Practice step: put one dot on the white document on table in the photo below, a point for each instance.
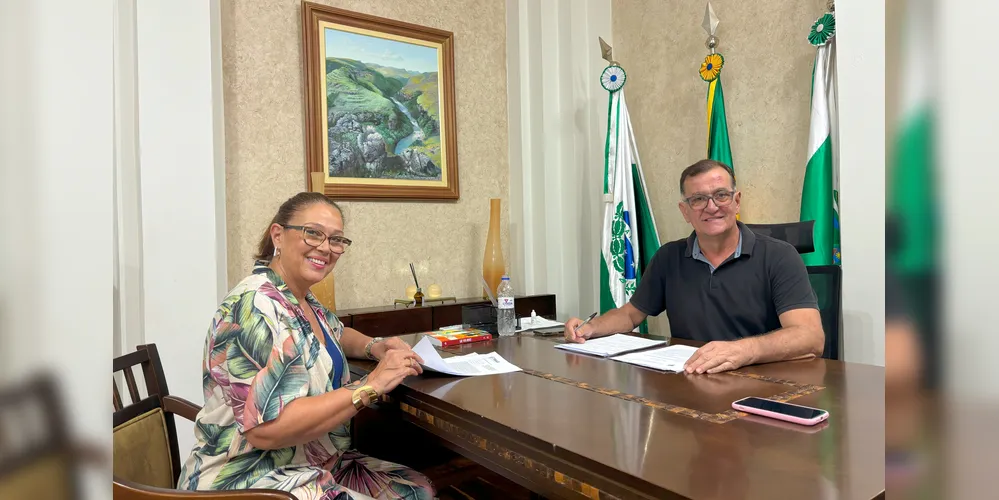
(469, 365)
(537, 323)
(611, 345)
(669, 359)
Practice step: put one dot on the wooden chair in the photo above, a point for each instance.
(37, 457)
(146, 456)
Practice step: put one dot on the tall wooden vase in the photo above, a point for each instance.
(325, 290)
(492, 262)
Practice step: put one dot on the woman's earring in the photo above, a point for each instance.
(277, 251)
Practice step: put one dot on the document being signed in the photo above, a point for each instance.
(468, 365)
(670, 359)
(610, 345)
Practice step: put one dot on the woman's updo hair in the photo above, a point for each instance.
(295, 204)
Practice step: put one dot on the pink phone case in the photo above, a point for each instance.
(781, 416)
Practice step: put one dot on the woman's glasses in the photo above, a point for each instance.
(315, 238)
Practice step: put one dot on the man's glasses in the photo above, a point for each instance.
(315, 238)
(700, 201)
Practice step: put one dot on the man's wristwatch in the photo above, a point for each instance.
(371, 343)
(364, 390)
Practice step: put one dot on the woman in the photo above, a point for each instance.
(278, 395)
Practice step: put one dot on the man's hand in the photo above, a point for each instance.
(720, 356)
(578, 336)
(380, 349)
(622, 319)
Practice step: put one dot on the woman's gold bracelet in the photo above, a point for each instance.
(365, 390)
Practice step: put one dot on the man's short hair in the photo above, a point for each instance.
(703, 166)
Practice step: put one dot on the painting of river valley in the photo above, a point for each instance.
(380, 107)
(383, 109)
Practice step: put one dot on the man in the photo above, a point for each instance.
(746, 295)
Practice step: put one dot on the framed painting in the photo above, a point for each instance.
(379, 107)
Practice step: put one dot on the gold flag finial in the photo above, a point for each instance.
(607, 52)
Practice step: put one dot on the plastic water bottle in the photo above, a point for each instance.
(506, 318)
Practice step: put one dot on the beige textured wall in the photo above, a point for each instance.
(261, 56)
(767, 80)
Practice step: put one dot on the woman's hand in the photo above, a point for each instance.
(393, 368)
(380, 349)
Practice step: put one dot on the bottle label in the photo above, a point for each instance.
(505, 302)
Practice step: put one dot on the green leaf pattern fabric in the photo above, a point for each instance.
(260, 355)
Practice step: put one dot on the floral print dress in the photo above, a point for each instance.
(260, 355)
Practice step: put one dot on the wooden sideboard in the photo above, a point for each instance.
(387, 321)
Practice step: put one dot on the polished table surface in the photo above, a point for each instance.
(575, 426)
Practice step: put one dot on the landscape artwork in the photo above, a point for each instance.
(386, 106)
(383, 109)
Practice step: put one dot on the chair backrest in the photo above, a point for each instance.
(145, 436)
(37, 458)
(798, 234)
(827, 283)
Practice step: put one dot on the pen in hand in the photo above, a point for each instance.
(571, 331)
(587, 320)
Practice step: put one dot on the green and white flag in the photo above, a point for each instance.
(820, 191)
(630, 237)
(912, 194)
(911, 191)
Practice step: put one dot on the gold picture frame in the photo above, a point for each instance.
(379, 107)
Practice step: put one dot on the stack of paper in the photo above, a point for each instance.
(537, 323)
(469, 365)
(669, 359)
(611, 345)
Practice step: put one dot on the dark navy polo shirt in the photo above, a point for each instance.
(744, 296)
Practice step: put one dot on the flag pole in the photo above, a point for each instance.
(718, 145)
(607, 53)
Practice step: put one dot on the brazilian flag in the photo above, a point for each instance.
(719, 147)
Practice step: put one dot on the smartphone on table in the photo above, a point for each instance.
(788, 412)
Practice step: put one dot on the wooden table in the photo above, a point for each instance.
(574, 426)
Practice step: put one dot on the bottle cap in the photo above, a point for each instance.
(505, 278)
